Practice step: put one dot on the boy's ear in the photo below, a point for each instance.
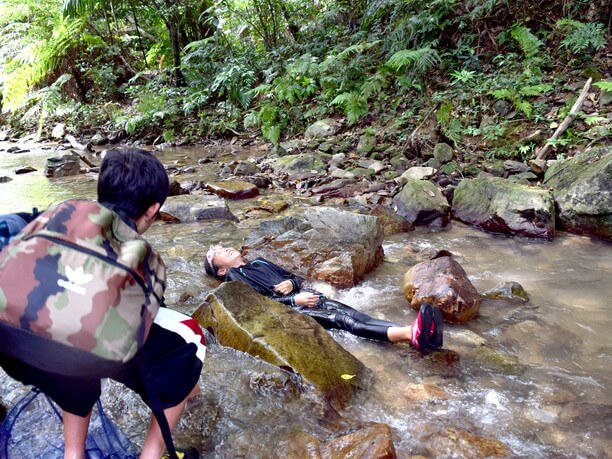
(221, 271)
(151, 212)
(147, 218)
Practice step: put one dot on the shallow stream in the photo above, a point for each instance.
(535, 376)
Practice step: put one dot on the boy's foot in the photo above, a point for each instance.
(427, 329)
(184, 453)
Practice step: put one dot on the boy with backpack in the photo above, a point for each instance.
(80, 297)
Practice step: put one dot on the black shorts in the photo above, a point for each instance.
(168, 365)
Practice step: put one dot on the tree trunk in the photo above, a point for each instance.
(172, 25)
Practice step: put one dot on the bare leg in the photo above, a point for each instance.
(75, 435)
(397, 334)
(154, 445)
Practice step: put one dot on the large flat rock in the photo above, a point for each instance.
(242, 319)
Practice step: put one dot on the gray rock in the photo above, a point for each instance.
(302, 165)
(515, 167)
(321, 129)
(538, 166)
(5, 179)
(500, 206)
(443, 152)
(62, 165)
(421, 203)
(246, 168)
(507, 291)
(323, 243)
(192, 207)
(582, 189)
(502, 107)
(432, 162)
(58, 131)
(98, 139)
(24, 170)
(366, 144)
(417, 173)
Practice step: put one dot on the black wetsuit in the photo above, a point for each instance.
(263, 275)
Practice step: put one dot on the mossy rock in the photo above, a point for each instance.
(421, 202)
(582, 189)
(243, 319)
(506, 363)
(500, 206)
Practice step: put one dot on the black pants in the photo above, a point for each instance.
(333, 314)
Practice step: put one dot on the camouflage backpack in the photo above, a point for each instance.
(83, 286)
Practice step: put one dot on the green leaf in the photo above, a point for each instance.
(536, 90)
(527, 41)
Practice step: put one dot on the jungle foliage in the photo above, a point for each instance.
(162, 69)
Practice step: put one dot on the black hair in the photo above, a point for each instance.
(131, 180)
(212, 270)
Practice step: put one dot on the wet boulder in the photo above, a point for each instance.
(297, 166)
(372, 441)
(582, 189)
(321, 129)
(443, 283)
(194, 207)
(417, 173)
(176, 189)
(62, 166)
(500, 206)
(464, 444)
(421, 203)
(443, 152)
(323, 243)
(390, 221)
(507, 291)
(499, 361)
(24, 170)
(5, 179)
(243, 319)
(233, 189)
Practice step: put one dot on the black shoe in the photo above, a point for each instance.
(437, 338)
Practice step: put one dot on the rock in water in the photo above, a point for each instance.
(243, 319)
(443, 283)
(500, 206)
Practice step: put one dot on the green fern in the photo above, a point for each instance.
(536, 89)
(524, 106)
(374, 85)
(355, 105)
(443, 115)
(581, 37)
(604, 85)
(507, 94)
(528, 42)
(420, 60)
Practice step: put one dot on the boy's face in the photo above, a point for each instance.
(224, 258)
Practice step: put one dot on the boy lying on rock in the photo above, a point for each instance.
(269, 279)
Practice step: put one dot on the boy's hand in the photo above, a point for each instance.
(306, 299)
(284, 288)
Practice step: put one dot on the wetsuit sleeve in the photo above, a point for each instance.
(288, 300)
(297, 281)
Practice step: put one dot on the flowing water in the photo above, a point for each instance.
(535, 376)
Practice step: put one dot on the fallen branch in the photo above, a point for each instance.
(75, 144)
(83, 158)
(543, 152)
